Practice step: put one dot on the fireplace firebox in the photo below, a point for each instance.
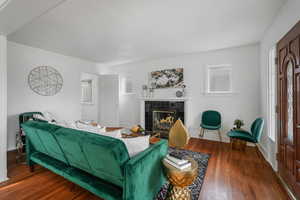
(161, 115)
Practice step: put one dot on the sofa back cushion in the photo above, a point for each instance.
(99, 155)
(42, 139)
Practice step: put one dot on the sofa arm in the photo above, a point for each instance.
(144, 173)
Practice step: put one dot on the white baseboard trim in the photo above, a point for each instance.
(264, 153)
(11, 149)
(212, 135)
(3, 179)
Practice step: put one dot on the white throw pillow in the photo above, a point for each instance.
(136, 145)
(49, 116)
(40, 117)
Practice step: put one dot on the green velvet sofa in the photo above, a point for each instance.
(97, 163)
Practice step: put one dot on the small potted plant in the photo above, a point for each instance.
(238, 123)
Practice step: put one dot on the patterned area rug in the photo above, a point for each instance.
(195, 188)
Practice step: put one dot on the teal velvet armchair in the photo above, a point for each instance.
(253, 136)
(211, 120)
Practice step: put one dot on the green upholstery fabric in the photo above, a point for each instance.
(257, 128)
(97, 163)
(85, 180)
(254, 136)
(101, 155)
(211, 120)
(210, 127)
(243, 135)
(41, 136)
(144, 174)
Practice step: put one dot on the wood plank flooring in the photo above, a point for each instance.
(231, 175)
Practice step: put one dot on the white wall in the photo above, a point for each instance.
(3, 108)
(65, 105)
(90, 111)
(243, 104)
(286, 18)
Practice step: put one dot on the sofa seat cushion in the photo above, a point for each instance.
(210, 127)
(243, 135)
(95, 185)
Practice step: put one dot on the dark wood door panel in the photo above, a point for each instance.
(297, 171)
(294, 50)
(288, 99)
(289, 161)
(282, 53)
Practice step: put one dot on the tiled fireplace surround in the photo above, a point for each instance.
(161, 110)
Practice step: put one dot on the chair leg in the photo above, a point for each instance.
(219, 132)
(31, 168)
(73, 187)
(201, 134)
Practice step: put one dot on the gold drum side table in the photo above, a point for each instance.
(180, 180)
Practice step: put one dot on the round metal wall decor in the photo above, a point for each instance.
(45, 80)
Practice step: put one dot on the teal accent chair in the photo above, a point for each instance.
(211, 120)
(253, 136)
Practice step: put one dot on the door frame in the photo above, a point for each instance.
(3, 108)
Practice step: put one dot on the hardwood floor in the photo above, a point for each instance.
(231, 175)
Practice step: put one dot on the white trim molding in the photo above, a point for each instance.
(3, 108)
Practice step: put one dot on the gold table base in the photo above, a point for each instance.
(178, 193)
(180, 180)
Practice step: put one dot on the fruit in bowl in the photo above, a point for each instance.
(137, 129)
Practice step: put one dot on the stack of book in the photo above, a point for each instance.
(177, 161)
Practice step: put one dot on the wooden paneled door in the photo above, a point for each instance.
(288, 77)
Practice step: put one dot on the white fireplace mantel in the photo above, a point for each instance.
(186, 101)
(165, 99)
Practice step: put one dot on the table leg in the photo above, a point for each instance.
(178, 193)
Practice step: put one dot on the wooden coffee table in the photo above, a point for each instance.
(153, 138)
(110, 129)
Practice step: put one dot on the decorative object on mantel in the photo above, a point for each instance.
(180, 93)
(148, 92)
(45, 81)
(145, 91)
(238, 124)
(167, 78)
(151, 92)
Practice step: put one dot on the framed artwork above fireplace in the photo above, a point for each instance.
(167, 78)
